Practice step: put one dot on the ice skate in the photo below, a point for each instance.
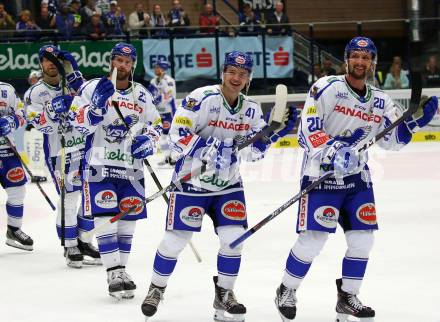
(73, 256)
(15, 237)
(152, 300)
(167, 162)
(115, 283)
(285, 302)
(349, 306)
(90, 253)
(129, 285)
(227, 309)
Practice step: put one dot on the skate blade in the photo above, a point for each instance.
(341, 317)
(117, 295)
(92, 261)
(15, 244)
(73, 264)
(128, 294)
(223, 316)
(283, 318)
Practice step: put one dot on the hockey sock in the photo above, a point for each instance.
(228, 259)
(125, 237)
(306, 248)
(164, 147)
(84, 225)
(108, 244)
(173, 242)
(71, 224)
(14, 205)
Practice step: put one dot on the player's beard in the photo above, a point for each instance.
(352, 72)
(51, 76)
(122, 75)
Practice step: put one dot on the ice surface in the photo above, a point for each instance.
(402, 282)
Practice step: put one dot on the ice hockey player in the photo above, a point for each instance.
(340, 115)
(208, 125)
(12, 176)
(113, 178)
(166, 106)
(46, 109)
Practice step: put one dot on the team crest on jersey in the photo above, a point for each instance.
(116, 131)
(189, 104)
(314, 91)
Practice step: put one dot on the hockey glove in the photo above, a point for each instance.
(142, 147)
(154, 91)
(222, 154)
(98, 108)
(7, 124)
(340, 154)
(73, 75)
(59, 106)
(424, 114)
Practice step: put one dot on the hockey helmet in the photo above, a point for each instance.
(361, 44)
(124, 49)
(50, 49)
(239, 59)
(163, 64)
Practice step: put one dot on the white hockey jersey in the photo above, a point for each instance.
(37, 100)
(107, 143)
(204, 113)
(167, 88)
(10, 104)
(332, 108)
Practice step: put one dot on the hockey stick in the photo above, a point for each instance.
(416, 93)
(275, 123)
(62, 72)
(14, 149)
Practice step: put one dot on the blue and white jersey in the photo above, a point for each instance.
(167, 89)
(204, 113)
(107, 142)
(10, 105)
(332, 109)
(37, 100)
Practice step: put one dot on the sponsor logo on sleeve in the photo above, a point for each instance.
(234, 210)
(106, 199)
(366, 214)
(192, 216)
(318, 139)
(183, 121)
(126, 203)
(189, 104)
(15, 174)
(327, 216)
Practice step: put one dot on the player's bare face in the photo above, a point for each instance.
(123, 65)
(359, 64)
(49, 68)
(158, 71)
(235, 79)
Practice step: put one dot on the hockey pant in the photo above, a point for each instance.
(310, 243)
(174, 241)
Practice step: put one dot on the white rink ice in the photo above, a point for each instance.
(402, 282)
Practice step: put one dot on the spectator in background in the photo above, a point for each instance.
(65, 21)
(249, 20)
(327, 68)
(52, 6)
(95, 28)
(398, 60)
(6, 20)
(45, 20)
(177, 17)
(75, 6)
(115, 19)
(432, 72)
(34, 77)
(317, 72)
(158, 20)
(395, 79)
(103, 6)
(138, 19)
(208, 19)
(342, 69)
(27, 25)
(279, 18)
(88, 11)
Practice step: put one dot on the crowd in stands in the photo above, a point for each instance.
(98, 19)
